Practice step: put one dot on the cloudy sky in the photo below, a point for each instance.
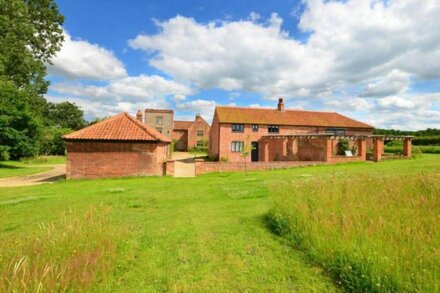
(374, 60)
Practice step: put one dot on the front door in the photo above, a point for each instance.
(254, 153)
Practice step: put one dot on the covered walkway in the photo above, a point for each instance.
(323, 147)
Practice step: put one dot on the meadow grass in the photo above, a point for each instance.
(203, 234)
(372, 233)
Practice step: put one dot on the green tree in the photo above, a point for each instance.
(30, 35)
(246, 151)
(66, 115)
(51, 142)
(19, 129)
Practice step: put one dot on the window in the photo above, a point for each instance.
(273, 129)
(159, 129)
(200, 143)
(199, 133)
(159, 120)
(237, 146)
(237, 127)
(255, 128)
(335, 131)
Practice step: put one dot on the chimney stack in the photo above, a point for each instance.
(280, 104)
(139, 115)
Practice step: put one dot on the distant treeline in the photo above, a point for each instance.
(426, 132)
(430, 136)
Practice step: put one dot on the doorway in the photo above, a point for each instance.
(254, 153)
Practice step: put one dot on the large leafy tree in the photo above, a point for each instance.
(66, 115)
(30, 35)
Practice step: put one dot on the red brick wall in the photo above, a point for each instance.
(198, 125)
(114, 159)
(209, 167)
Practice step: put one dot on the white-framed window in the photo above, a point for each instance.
(255, 127)
(237, 127)
(199, 132)
(159, 120)
(200, 143)
(273, 128)
(237, 146)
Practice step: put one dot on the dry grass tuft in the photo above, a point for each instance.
(68, 255)
(373, 234)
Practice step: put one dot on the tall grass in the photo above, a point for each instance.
(71, 254)
(371, 233)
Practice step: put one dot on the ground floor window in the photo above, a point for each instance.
(200, 143)
(237, 146)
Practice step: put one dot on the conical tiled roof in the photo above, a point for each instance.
(119, 127)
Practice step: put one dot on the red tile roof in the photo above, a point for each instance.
(182, 124)
(286, 117)
(119, 127)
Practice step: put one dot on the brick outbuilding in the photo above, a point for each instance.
(116, 147)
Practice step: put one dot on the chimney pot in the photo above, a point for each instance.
(280, 104)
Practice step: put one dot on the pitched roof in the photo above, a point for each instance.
(286, 117)
(182, 124)
(119, 127)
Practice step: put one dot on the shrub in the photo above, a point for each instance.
(342, 146)
(4, 153)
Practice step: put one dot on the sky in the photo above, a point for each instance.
(377, 61)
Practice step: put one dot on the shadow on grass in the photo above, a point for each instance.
(6, 166)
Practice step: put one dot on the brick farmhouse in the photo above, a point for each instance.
(282, 135)
(116, 147)
(185, 134)
(190, 134)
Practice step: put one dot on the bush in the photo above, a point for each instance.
(4, 153)
(426, 140)
(342, 146)
(52, 143)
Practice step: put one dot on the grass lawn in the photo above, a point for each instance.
(8, 169)
(208, 233)
(29, 166)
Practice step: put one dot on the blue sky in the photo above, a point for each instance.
(368, 59)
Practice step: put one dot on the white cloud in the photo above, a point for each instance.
(80, 59)
(203, 107)
(144, 86)
(350, 41)
(395, 82)
(125, 94)
(348, 104)
(395, 103)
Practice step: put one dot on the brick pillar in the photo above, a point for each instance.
(284, 141)
(362, 149)
(377, 149)
(290, 145)
(407, 147)
(265, 151)
(328, 149)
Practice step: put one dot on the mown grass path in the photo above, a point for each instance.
(203, 234)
